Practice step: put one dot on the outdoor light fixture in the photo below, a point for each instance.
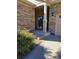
(52, 13)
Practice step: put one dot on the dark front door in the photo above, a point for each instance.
(39, 13)
(39, 23)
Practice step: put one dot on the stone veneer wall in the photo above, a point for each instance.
(52, 19)
(25, 17)
(51, 23)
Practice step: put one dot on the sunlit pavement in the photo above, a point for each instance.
(51, 49)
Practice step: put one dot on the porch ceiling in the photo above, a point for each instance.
(36, 3)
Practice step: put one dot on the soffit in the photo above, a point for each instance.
(36, 3)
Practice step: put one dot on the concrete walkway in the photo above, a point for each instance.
(51, 49)
(48, 49)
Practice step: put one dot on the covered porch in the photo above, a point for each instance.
(44, 18)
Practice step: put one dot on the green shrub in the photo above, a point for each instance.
(25, 42)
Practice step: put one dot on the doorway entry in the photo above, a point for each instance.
(39, 17)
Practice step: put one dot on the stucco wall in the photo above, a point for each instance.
(25, 16)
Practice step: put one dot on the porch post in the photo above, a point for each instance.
(45, 18)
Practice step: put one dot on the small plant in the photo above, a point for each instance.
(25, 42)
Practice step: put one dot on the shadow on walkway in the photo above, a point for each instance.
(46, 36)
(52, 38)
(37, 53)
(48, 55)
(50, 41)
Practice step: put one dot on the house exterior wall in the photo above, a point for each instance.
(52, 18)
(25, 16)
(58, 26)
(51, 22)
